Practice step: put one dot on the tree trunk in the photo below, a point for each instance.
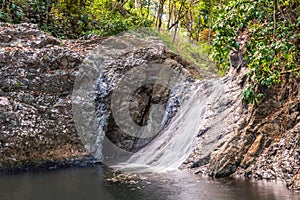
(170, 13)
(148, 8)
(160, 14)
(175, 33)
(210, 22)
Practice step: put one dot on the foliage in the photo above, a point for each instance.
(33, 11)
(73, 18)
(271, 29)
(272, 51)
(198, 54)
(205, 34)
(100, 17)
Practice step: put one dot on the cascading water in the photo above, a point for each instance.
(194, 108)
(202, 104)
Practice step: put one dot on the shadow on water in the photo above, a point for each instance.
(90, 184)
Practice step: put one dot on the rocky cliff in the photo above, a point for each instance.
(260, 142)
(37, 75)
(266, 142)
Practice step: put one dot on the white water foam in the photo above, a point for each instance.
(175, 142)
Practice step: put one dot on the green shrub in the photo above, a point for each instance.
(273, 49)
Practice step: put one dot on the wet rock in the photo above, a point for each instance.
(221, 120)
(118, 56)
(263, 141)
(37, 75)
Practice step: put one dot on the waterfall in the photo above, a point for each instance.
(201, 106)
(195, 108)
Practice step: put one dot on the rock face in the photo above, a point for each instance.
(260, 143)
(128, 65)
(37, 74)
(222, 118)
(266, 144)
(149, 52)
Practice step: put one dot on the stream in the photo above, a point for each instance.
(90, 184)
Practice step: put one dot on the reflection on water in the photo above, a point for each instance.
(90, 184)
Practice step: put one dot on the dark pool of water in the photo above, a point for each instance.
(90, 184)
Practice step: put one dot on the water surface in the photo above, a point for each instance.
(90, 184)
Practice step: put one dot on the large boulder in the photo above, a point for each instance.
(123, 62)
(37, 73)
(37, 76)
